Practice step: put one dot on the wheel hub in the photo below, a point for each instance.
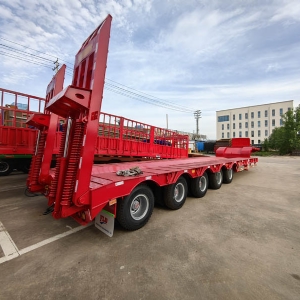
(219, 177)
(176, 192)
(136, 205)
(202, 183)
(179, 192)
(139, 207)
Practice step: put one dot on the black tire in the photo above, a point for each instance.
(227, 176)
(199, 186)
(25, 166)
(175, 194)
(5, 168)
(215, 180)
(158, 195)
(135, 210)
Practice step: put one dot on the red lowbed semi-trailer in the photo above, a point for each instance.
(85, 191)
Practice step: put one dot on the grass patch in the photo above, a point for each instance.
(265, 153)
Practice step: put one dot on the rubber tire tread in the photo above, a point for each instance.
(8, 171)
(213, 181)
(158, 196)
(25, 166)
(169, 193)
(195, 186)
(226, 178)
(123, 209)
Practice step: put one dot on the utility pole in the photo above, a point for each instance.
(167, 121)
(56, 66)
(197, 115)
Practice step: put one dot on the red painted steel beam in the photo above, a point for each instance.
(47, 124)
(98, 43)
(80, 103)
(54, 87)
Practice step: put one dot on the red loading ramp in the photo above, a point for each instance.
(82, 104)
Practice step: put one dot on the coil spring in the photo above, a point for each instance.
(36, 161)
(60, 154)
(73, 163)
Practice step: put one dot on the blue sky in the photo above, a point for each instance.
(207, 55)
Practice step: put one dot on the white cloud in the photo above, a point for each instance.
(289, 10)
(272, 67)
(207, 54)
(5, 12)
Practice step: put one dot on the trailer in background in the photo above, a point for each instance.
(17, 139)
(119, 139)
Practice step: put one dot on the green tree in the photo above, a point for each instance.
(286, 139)
(266, 145)
(297, 128)
(277, 140)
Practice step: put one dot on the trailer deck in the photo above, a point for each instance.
(106, 187)
(103, 175)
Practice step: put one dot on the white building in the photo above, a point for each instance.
(256, 122)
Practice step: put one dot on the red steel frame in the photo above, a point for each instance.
(116, 136)
(80, 189)
(17, 138)
(106, 186)
(80, 105)
(47, 124)
(125, 137)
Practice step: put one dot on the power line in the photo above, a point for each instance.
(145, 99)
(32, 49)
(139, 99)
(26, 60)
(152, 97)
(23, 52)
(120, 89)
(29, 60)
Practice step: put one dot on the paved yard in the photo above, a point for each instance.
(239, 242)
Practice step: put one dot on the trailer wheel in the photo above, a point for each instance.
(134, 211)
(5, 168)
(227, 175)
(175, 194)
(25, 166)
(215, 180)
(199, 186)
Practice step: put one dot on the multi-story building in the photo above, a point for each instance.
(256, 122)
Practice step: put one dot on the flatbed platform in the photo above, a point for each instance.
(103, 175)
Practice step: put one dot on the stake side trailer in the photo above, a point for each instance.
(119, 139)
(16, 138)
(85, 191)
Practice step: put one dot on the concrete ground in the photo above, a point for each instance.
(239, 242)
